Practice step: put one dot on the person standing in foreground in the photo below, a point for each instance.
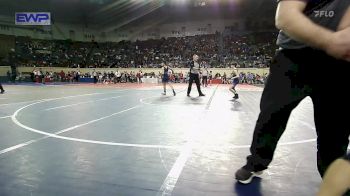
(165, 78)
(309, 44)
(235, 81)
(94, 74)
(194, 75)
(205, 75)
(336, 180)
(1, 89)
(210, 77)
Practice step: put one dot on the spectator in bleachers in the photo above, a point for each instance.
(252, 50)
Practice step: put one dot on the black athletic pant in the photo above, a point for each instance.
(1, 88)
(194, 77)
(295, 74)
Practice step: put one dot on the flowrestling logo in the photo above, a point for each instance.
(33, 18)
(327, 14)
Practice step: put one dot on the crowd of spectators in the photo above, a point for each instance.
(250, 50)
(107, 77)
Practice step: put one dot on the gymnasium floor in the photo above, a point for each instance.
(130, 140)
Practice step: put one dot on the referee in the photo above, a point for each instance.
(194, 75)
(310, 43)
(1, 89)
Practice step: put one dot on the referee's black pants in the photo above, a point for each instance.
(194, 77)
(294, 75)
(1, 88)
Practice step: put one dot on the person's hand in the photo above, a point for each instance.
(339, 45)
(336, 180)
(347, 57)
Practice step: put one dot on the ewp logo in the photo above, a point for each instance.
(33, 18)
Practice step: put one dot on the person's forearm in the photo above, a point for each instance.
(300, 28)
